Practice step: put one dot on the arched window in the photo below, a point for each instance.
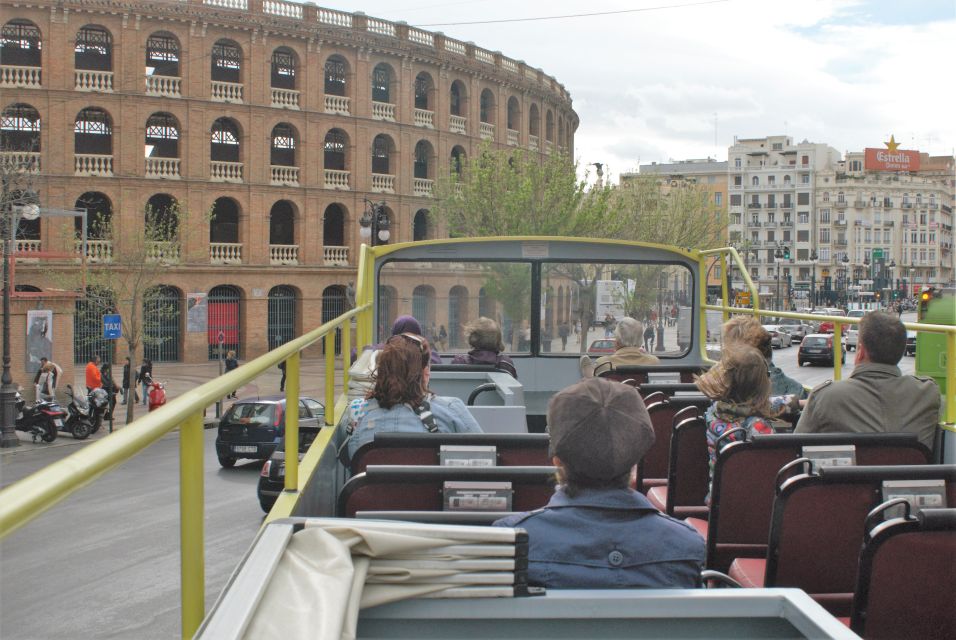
(334, 304)
(514, 114)
(162, 323)
(226, 61)
(560, 132)
(755, 181)
(336, 76)
(382, 83)
(549, 126)
(162, 218)
(424, 91)
(281, 316)
(534, 121)
(387, 310)
(162, 136)
(224, 317)
(224, 142)
(99, 213)
(486, 305)
(20, 44)
(486, 107)
(93, 50)
(88, 341)
(457, 315)
(283, 145)
(786, 179)
(282, 223)
(420, 225)
(423, 155)
(381, 151)
(224, 226)
(457, 98)
(333, 226)
(20, 131)
(93, 132)
(283, 68)
(336, 146)
(162, 55)
(457, 161)
(423, 308)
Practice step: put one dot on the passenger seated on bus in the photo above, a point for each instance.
(405, 324)
(628, 337)
(747, 329)
(740, 389)
(597, 532)
(876, 398)
(400, 399)
(484, 336)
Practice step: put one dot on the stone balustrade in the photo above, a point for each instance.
(17, 161)
(548, 146)
(383, 183)
(220, 171)
(283, 254)
(422, 187)
(225, 253)
(383, 111)
(424, 118)
(167, 168)
(27, 246)
(89, 80)
(335, 179)
(96, 250)
(486, 130)
(91, 164)
(337, 104)
(285, 98)
(458, 124)
(167, 86)
(512, 137)
(533, 143)
(283, 175)
(13, 76)
(164, 252)
(226, 91)
(282, 8)
(335, 256)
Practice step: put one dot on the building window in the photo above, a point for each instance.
(93, 49)
(803, 217)
(825, 236)
(20, 44)
(162, 55)
(755, 181)
(283, 68)
(381, 81)
(735, 199)
(335, 76)
(803, 198)
(736, 163)
(738, 181)
(803, 235)
(226, 61)
(335, 146)
(423, 89)
(825, 216)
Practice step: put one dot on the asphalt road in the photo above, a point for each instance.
(82, 571)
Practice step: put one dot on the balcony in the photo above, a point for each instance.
(786, 223)
(335, 256)
(163, 252)
(839, 242)
(25, 247)
(284, 176)
(840, 222)
(226, 92)
(533, 143)
(86, 80)
(457, 124)
(337, 104)
(876, 204)
(167, 168)
(771, 205)
(335, 179)
(889, 223)
(753, 205)
(220, 171)
(840, 204)
(99, 251)
(20, 161)
(383, 183)
(487, 131)
(932, 206)
(285, 98)
(907, 205)
(283, 254)
(166, 86)
(88, 164)
(383, 111)
(859, 204)
(422, 187)
(424, 118)
(225, 253)
(14, 77)
(512, 137)
(786, 205)
(754, 223)
(547, 147)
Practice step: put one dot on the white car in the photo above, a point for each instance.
(779, 335)
(852, 332)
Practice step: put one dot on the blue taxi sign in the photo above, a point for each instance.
(112, 326)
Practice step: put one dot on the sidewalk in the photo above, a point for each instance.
(179, 378)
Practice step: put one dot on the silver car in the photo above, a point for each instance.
(779, 336)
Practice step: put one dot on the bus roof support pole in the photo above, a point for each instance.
(346, 353)
(951, 381)
(329, 376)
(837, 350)
(191, 535)
(292, 423)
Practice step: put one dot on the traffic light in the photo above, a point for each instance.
(786, 253)
(924, 298)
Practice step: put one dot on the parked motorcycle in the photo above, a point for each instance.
(99, 400)
(156, 394)
(42, 419)
(79, 421)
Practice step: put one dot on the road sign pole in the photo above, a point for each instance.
(112, 330)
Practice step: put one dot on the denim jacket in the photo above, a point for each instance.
(608, 538)
(366, 419)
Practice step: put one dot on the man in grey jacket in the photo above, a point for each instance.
(876, 398)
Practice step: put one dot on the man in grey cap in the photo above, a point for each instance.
(596, 532)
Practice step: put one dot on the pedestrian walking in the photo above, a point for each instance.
(109, 385)
(45, 387)
(282, 379)
(648, 337)
(126, 372)
(144, 376)
(56, 370)
(442, 338)
(232, 362)
(94, 379)
(564, 330)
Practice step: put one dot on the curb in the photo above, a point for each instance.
(66, 440)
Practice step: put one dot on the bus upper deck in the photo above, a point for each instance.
(544, 293)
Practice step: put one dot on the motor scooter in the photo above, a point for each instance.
(99, 401)
(79, 421)
(42, 419)
(156, 394)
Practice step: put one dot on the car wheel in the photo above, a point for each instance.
(266, 502)
(227, 463)
(799, 362)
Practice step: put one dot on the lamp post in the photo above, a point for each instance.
(813, 279)
(374, 223)
(778, 256)
(845, 261)
(660, 312)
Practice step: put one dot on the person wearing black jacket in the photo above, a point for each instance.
(144, 376)
(126, 372)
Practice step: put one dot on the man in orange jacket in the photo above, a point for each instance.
(93, 378)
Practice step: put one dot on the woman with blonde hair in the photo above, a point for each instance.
(400, 400)
(739, 386)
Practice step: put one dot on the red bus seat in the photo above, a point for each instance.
(687, 470)
(652, 470)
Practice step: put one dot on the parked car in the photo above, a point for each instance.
(851, 337)
(826, 326)
(796, 328)
(255, 427)
(910, 343)
(779, 336)
(602, 347)
(272, 478)
(818, 348)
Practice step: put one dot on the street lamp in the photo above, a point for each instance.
(660, 312)
(845, 261)
(813, 279)
(374, 223)
(778, 257)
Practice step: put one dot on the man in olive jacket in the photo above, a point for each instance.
(876, 398)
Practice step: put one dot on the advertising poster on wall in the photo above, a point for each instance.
(197, 307)
(39, 338)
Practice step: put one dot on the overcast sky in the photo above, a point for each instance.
(681, 81)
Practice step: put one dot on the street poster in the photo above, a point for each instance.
(197, 307)
(39, 338)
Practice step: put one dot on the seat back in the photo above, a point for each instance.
(745, 479)
(907, 573)
(652, 470)
(818, 523)
(687, 471)
(652, 372)
(420, 488)
(526, 449)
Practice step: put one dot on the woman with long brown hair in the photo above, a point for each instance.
(400, 400)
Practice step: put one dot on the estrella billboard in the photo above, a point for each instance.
(886, 160)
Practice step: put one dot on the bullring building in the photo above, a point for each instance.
(271, 123)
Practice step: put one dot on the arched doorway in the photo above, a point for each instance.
(281, 320)
(423, 308)
(387, 310)
(334, 304)
(88, 311)
(162, 324)
(457, 315)
(225, 311)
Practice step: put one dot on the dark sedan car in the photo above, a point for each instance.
(255, 427)
(817, 348)
(272, 478)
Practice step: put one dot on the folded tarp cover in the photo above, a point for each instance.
(332, 568)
